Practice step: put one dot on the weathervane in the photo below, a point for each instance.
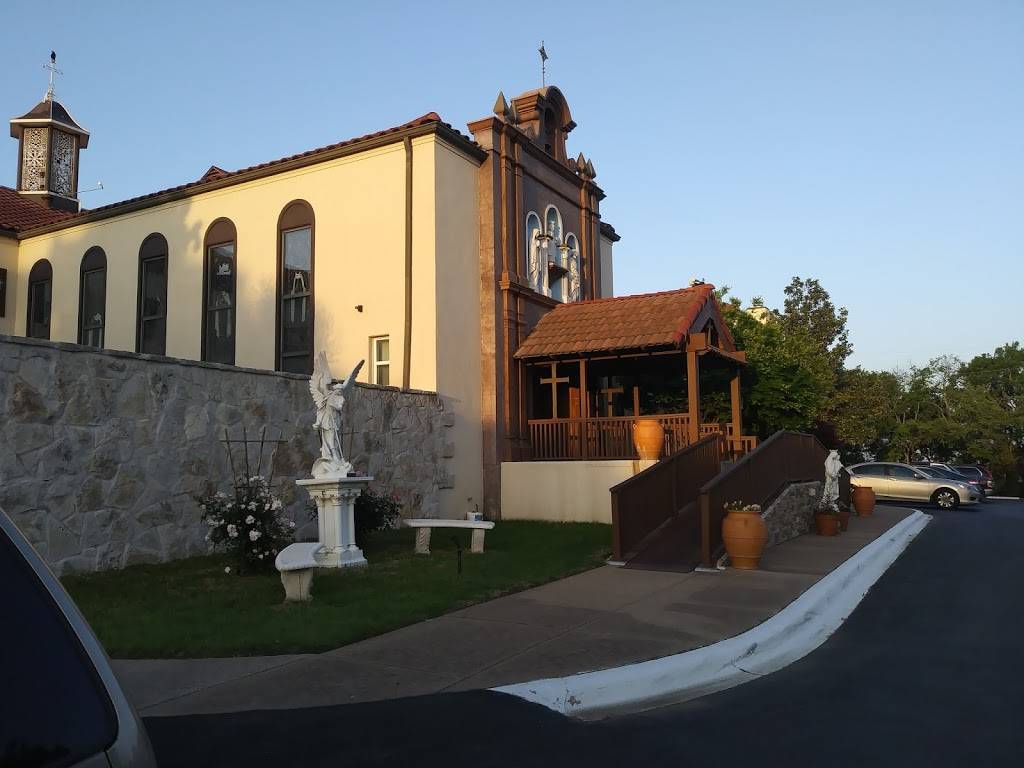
(52, 66)
(543, 59)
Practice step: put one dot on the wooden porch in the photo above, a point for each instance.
(611, 437)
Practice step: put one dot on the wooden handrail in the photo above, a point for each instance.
(784, 458)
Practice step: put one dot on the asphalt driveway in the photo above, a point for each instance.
(927, 671)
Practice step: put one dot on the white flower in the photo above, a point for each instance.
(253, 535)
(250, 520)
(207, 536)
(202, 507)
(232, 530)
(227, 570)
(276, 504)
(261, 556)
(252, 505)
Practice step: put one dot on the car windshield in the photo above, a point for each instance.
(928, 471)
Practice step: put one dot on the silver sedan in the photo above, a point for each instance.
(902, 482)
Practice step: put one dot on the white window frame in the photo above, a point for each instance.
(376, 363)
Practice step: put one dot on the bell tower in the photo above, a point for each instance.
(49, 145)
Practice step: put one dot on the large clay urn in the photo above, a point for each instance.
(649, 438)
(744, 534)
(863, 500)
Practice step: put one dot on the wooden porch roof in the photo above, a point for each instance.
(643, 322)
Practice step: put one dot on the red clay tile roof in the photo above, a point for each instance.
(645, 321)
(18, 212)
(195, 187)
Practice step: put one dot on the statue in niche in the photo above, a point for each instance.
(574, 276)
(329, 396)
(535, 262)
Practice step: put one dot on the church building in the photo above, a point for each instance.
(430, 252)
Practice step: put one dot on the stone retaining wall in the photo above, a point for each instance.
(792, 513)
(102, 453)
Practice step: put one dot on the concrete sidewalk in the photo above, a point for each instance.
(602, 618)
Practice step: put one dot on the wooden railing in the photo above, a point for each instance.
(757, 478)
(641, 504)
(611, 437)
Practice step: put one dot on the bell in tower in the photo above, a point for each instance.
(49, 143)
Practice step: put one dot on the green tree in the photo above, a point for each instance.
(808, 311)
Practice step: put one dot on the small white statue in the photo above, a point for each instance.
(329, 396)
(574, 276)
(830, 494)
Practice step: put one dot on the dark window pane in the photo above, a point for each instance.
(53, 710)
(383, 375)
(296, 301)
(39, 309)
(154, 287)
(297, 364)
(94, 290)
(220, 303)
(901, 472)
(154, 334)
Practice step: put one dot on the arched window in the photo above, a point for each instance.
(92, 298)
(295, 259)
(40, 294)
(573, 267)
(553, 219)
(534, 262)
(219, 286)
(151, 335)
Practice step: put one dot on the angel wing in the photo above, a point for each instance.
(351, 380)
(320, 381)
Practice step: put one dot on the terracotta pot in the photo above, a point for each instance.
(745, 535)
(649, 437)
(827, 525)
(844, 519)
(863, 500)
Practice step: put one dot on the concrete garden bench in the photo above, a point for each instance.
(424, 526)
(296, 562)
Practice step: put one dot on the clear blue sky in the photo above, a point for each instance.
(878, 146)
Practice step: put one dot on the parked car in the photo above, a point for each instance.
(975, 472)
(948, 470)
(902, 482)
(60, 703)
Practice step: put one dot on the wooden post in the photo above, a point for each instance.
(693, 395)
(585, 409)
(737, 413)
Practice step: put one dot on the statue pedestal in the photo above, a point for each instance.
(335, 498)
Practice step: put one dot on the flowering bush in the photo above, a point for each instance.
(742, 506)
(250, 525)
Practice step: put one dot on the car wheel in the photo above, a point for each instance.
(946, 498)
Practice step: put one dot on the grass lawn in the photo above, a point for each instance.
(191, 608)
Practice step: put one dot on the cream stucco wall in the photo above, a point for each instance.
(561, 491)
(458, 318)
(607, 268)
(359, 250)
(9, 261)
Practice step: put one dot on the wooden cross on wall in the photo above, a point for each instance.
(554, 381)
(610, 393)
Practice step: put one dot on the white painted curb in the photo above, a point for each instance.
(787, 636)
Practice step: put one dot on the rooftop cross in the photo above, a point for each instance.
(543, 59)
(52, 66)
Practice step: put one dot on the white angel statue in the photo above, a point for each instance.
(329, 397)
(830, 493)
